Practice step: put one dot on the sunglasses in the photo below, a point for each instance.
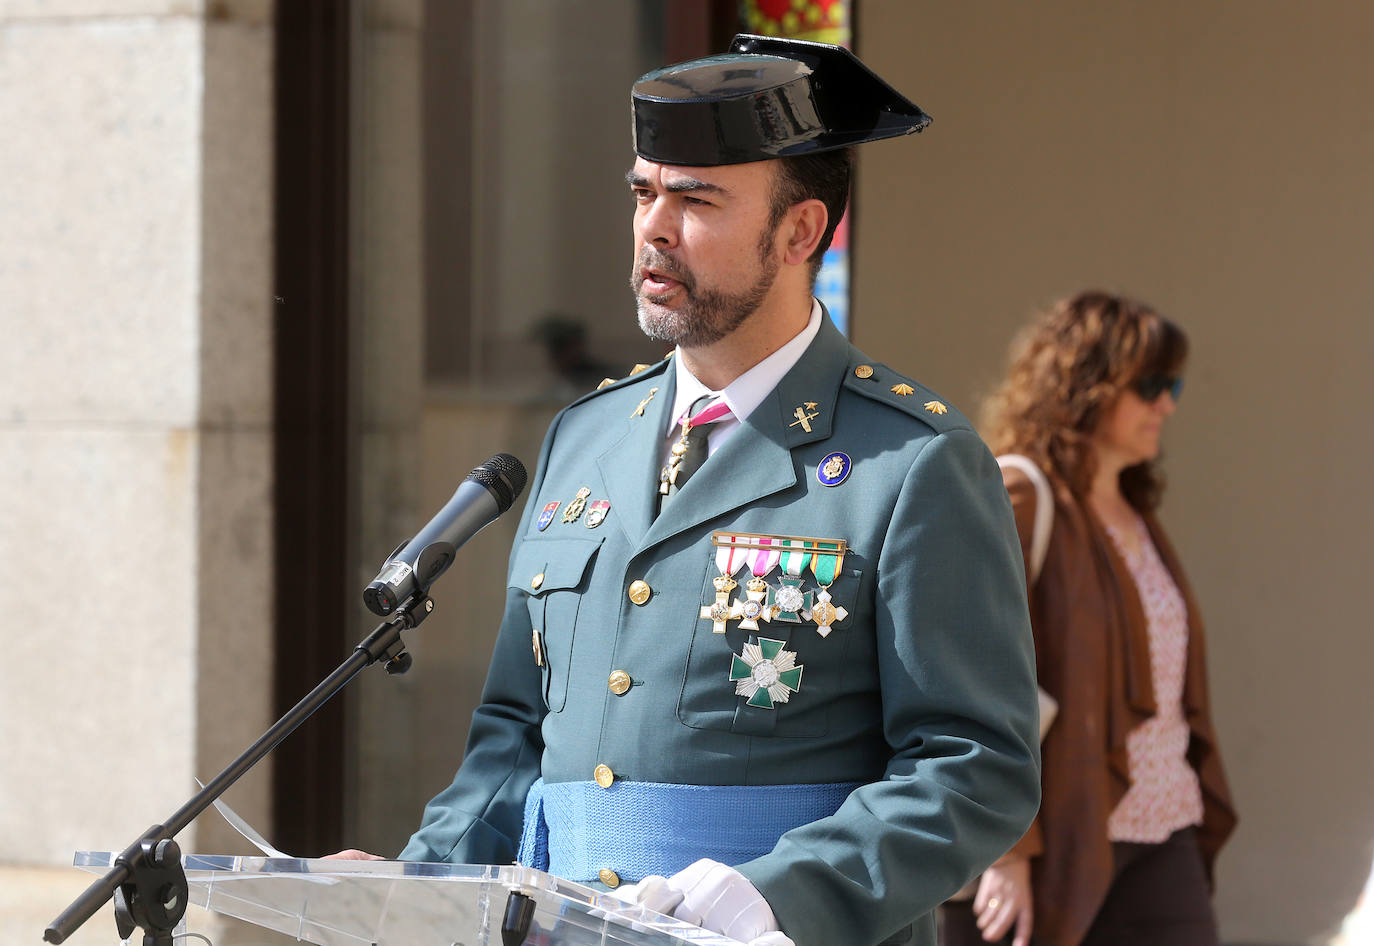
(1152, 386)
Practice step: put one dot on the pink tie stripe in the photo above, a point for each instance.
(711, 412)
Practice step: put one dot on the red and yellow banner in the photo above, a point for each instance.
(822, 21)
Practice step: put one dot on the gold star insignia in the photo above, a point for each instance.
(902, 390)
(935, 407)
(638, 368)
(605, 382)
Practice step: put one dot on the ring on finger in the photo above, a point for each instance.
(994, 903)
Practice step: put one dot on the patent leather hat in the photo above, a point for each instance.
(766, 98)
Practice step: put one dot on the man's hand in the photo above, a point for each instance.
(1004, 898)
(652, 893)
(715, 897)
(353, 855)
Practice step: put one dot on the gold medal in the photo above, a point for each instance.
(753, 606)
(826, 614)
(574, 510)
(720, 611)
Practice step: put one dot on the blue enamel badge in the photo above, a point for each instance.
(833, 469)
(546, 516)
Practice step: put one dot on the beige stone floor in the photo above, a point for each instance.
(32, 897)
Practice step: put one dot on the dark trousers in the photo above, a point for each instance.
(1158, 897)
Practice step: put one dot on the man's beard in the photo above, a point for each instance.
(707, 315)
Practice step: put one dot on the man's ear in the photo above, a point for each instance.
(804, 226)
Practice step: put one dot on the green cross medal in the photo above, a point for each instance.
(788, 600)
(766, 673)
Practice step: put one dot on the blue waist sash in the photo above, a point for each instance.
(575, 829)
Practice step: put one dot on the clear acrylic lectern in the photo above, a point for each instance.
(401, 903)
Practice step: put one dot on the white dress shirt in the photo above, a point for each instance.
(744, 393)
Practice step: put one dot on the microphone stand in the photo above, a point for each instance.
(147, 883)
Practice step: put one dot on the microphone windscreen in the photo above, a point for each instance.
(504, 476)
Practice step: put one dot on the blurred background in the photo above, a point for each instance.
(275, 276)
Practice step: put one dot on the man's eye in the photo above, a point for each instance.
(641, 194)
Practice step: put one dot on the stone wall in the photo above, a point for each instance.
(135, 415)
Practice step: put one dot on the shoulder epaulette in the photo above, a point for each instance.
(638, 372)
(880, 383)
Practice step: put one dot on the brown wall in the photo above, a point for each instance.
(1214, 159)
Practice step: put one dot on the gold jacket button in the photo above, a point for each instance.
(619, 682)
(863, 371)
(536, 581)
(640, 591)
(608, 877)
(603, 775)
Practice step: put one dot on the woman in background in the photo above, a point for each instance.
(1135, 804)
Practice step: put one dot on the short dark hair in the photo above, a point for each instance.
(825, 177)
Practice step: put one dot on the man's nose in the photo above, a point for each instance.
(658, 225)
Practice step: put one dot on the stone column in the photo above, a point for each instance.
(135, 412)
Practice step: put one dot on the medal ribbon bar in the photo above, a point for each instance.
(752, 541)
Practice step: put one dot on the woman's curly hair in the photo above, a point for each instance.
(1067, 370)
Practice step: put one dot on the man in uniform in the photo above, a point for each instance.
(765, 632)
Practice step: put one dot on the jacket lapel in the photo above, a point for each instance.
(630, 466)
(757, 459)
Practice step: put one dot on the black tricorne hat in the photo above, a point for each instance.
(766, 98)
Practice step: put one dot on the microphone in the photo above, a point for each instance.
(487, 492)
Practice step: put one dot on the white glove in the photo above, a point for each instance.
(652, 893)
(716, 897)
(775, 938)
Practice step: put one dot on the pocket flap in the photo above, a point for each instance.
(543, 565)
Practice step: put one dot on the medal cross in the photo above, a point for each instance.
(788, 601)
(826, 614)
(720, 612)
(752, 607)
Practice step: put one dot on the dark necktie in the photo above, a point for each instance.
(692, 448)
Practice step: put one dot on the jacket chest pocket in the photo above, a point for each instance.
(725, 671)
(553, 575)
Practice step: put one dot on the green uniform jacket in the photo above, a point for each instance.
(925, 691)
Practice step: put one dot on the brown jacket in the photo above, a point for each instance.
(1093, 656)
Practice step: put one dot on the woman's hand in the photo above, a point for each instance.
(1003, 899)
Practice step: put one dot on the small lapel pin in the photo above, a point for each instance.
(804, 416)
(546, 516)
(596, 513)
(576, 505)
(639, 411)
